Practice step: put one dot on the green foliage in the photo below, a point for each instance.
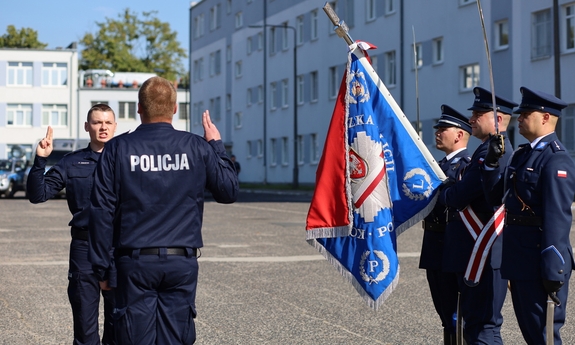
(23, 38)
(134, 44)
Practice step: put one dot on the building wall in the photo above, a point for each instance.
(456, 23)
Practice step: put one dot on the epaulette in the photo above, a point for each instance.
(556, 146)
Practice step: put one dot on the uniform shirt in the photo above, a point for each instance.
(149, 190)
(75, 172)
(433, 241)
(543, 177)
(469, 192)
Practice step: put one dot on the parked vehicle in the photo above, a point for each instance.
(61, 148)
(12, 176)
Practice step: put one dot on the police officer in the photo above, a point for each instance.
(538, 185)
(481, 301)
(148, 203)
(75, 172)
(451, 137)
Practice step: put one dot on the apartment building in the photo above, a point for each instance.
(244, 52)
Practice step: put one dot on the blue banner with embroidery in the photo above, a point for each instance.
(390, 183)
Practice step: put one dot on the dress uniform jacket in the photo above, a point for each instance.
(434, 224)
(469, 192)
(540, 185)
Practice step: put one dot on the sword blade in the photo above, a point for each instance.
(459, 322)
(549, 322)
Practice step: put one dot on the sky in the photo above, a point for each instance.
(61, 22)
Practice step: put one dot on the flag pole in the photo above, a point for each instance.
(341, 27)
(489, 64)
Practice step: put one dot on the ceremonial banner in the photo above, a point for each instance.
(375, 179)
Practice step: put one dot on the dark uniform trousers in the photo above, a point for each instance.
(442, 285)
(539, 185)
(157, 290)
(84, 295)
(480, 305)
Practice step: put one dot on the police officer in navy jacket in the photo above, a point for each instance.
(451, 137)
(148, 203)
(481, 302)
(75, 172)
(538, 184)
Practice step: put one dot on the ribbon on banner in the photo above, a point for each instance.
(375, 179)
(484, 236)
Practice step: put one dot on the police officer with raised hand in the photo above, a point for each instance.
(481, 297)
(538, 186)
(451, 136)
(75, 172)
(148, 203)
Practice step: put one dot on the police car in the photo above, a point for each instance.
(11, 176)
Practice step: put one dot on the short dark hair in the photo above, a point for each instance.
(99, 107)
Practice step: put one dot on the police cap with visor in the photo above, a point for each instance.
(452, 118)
(484, 102)
(539, 101)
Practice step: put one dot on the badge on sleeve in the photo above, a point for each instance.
(562, 173)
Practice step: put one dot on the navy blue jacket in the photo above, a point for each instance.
(149, 190)
(544, 178)
(469, 191)
(433, 241)
(75, 172)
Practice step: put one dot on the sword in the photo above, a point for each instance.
(459, 323)
(549, 318)
(341, 28)
(489, 64)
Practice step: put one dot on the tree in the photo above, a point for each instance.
(132, 44)
(23, 38)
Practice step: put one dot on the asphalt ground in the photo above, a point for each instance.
(259, 282)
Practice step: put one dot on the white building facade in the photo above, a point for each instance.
(244, 74)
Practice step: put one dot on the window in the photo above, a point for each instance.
(249, 149)
(249, 46)
(199, 69)
(285, 93)
(285, 151)
(299, 29)
(199, 26)
(228, 102)
(228, 6)
(389, 6)
(215, 63)
(314, 148)
(313, 86)
(300, 85)
(249, 97)
(54, 74)
(313, 26)
(273, 96)
(215, 17)
(374, 62)
(260, 41)
(273, 152)
(260, 94)
(217, 109)
(272, 40)
(239, 20)
(229, 53)
(55, 115)
(20, 74)
(469, 77)
(300, 149)
(285, 35)
(238, 69)
(501, 34)
(127, 110)
(197, 113)
(260, 148)
(541, 34)
(390, 76)
(568, 127)
(183, 111)
(238, 119)
(437, 48)
(418, 58)
(332, 82)
(19, 115)
(370, 14)
(466, 2)
(569, 30)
